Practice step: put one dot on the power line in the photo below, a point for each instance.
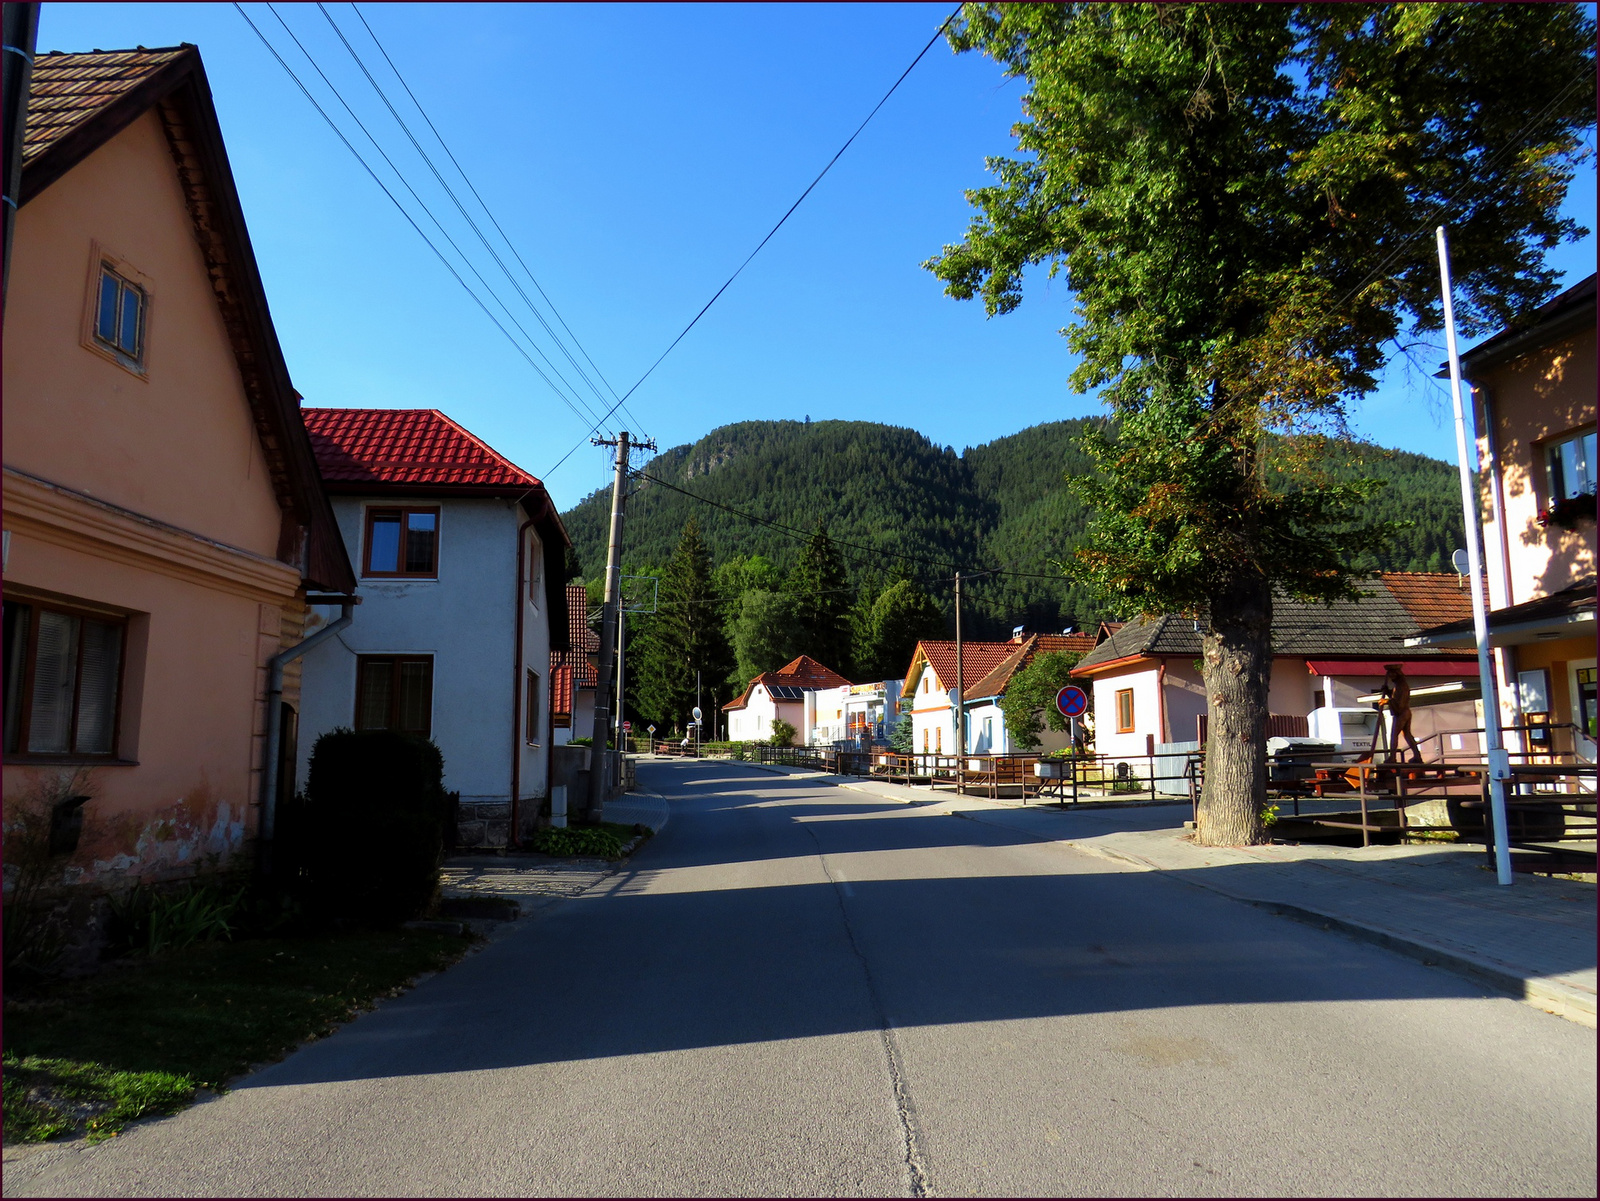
(424, 206)
(449, 191)
(716, 295)
(450, 267)
(510, 245)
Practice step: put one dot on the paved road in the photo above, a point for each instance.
(799, 989)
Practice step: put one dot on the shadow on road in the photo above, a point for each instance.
(728, 931)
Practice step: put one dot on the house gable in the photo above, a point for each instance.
(123, 157)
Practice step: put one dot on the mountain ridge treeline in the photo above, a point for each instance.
(895, 503)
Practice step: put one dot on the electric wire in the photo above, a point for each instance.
(450, 267)
(729, 281)
(431, 215)
(456, 200)
(493, 220)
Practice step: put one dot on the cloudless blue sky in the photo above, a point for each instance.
(635, 155)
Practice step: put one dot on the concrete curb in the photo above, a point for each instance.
(1562, 1000)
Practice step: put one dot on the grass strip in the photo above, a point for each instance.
(142, 1036)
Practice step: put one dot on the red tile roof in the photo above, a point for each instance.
(803, 673)
(68, 89)
(1432, 598)
(998, 680)
(406, 447)
(575, 668)
(978, 659)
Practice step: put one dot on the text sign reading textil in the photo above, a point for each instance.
(1072, 701)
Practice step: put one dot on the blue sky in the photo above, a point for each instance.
(635, 155)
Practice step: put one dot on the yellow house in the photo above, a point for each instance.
(1533, 388)
(164, 518)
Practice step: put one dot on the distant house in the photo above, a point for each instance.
(1148, 689)
(164, 519)
(574, 672)
(462, 564)
(784, 695)
(858, 714)
(986, 721)
(931, 680)
(1534, 391)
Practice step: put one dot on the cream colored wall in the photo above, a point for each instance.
(1535, 399)
(1143, 679)
(191, 709)
(178, 444)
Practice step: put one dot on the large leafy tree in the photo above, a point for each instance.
(1030, 700)
(819, 588)
(1242, 198)
(888, 632)
(763, 633)
(684, 637)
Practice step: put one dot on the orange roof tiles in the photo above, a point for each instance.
(406, 447)
(68, 89)
(995, 682)
(978, 659)
(1431, 597)
(802, 674)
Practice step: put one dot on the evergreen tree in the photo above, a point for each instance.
(684, 637)
(820, 591)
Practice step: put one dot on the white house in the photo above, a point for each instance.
(461, 560)
(1148, 690)
(931, 680)
(783, 695)
(986, 720)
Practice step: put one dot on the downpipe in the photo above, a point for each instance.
(275, 666)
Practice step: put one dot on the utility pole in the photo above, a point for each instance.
(961, 703)
(1499, 761)
(622, 695)
(608, 628)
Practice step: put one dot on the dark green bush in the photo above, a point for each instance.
(366, 842)
(578, 840)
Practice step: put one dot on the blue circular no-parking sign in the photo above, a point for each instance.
(1072, 701)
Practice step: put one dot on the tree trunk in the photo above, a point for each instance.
(1236, 654)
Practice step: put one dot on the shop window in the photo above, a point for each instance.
(63, 680)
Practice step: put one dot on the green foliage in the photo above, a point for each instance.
(683, 637)
(594, 841)
(819, 589)
(1030, 700)
(764, 633)
(902, 739)
(35, 912)
(1003, 502)
(901, 616)
(107, 1048)
(367, 842)
(150, 920)
(42, 1095)
(782, 732)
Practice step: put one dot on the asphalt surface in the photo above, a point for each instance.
(797, 989)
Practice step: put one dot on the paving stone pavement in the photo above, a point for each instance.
(1534, 939)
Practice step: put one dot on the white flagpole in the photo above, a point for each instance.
(1499, 761)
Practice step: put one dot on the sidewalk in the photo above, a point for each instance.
(1437, 903)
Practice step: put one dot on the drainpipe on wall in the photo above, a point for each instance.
(516, 694)
(275, 666)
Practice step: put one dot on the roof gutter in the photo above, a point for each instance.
(275, 666)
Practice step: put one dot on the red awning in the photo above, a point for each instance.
(1458, 669)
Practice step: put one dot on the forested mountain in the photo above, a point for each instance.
(895, 503)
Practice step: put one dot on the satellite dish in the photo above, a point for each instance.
(1459, 562)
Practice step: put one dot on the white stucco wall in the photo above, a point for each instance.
(466, 619)
(1143, 680)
